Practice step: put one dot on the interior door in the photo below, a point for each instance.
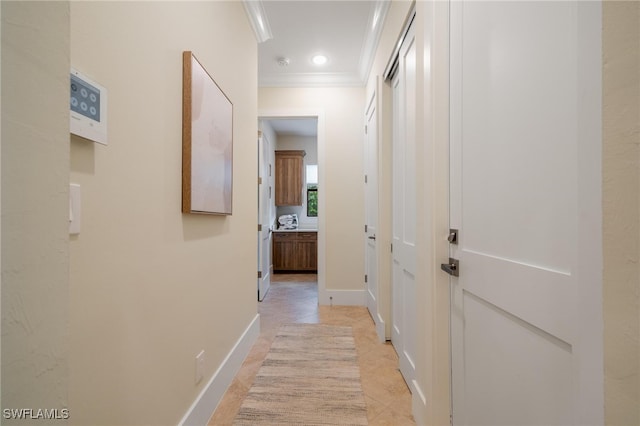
(515, 180)
(371, 213)
(403, 327)
(264, 217)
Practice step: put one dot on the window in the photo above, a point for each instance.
(312, 190)
(312, 200)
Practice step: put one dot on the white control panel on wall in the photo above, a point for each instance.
(88, 103)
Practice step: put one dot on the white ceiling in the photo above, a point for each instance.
(347, 32)
(294, 126)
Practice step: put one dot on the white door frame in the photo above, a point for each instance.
(323, 297)
(404, 307)
(264, 209)
(376, 296)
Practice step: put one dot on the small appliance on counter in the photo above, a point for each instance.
(288, 221)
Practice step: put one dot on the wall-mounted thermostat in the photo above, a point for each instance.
(88, 104)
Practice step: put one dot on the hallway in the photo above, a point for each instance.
(524, 130)
(294, 299)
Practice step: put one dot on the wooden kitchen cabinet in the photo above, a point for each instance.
(289, 178)
(307, 251)
(284, 251)
(295, 251)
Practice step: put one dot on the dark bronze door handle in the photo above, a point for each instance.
(451, 268)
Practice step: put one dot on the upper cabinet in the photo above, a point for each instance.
(289, 177)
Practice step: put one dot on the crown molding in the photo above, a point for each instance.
(311, 80)
(258, 19)
(376, 20)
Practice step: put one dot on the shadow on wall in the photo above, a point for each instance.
(203, 226)
(82, 156)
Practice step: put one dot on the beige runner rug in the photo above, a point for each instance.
(310, 376)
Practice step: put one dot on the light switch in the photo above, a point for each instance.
(75, 215)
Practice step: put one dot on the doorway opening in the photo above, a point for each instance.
(290, 200)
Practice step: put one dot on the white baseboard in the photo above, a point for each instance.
(203, 407)
(418, 404)
(342, 297)
(381, 329)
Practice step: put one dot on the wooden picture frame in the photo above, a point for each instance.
(207, 142)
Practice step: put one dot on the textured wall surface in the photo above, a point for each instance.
(621, 209)
(35, 207)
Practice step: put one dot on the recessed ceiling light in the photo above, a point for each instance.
(319, 59)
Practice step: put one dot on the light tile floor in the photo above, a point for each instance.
(293, 298)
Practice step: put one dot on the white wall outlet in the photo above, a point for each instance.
(199, 366)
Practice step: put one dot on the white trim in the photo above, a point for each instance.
(379, 13)
(203, 407)
(342, 297)
(589, 386)
(338, 79)
(258, 19)
(381, 328)
(418, 404)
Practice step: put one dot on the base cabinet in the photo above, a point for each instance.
(295, 251)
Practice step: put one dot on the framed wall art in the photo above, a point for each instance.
(207, 142)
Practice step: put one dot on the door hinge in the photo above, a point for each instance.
(365, 178)
(366, 228)
(259, 181)
(259, 133)
(366, 278)
(259, 274)
(259, 227)
(391, 247)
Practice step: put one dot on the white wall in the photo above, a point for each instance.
(151, 287)
(342, 221)
(621, 209)
(35, 207)
(307, 143)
